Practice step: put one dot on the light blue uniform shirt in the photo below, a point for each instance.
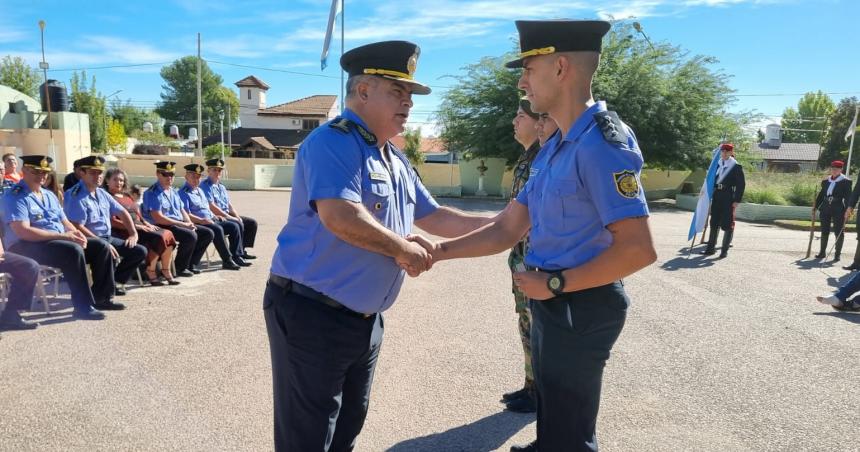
(21, 204)
(216, 193)
(582, 183)
(195, 202)
(337, 164)
(165, 201)
(93, 210)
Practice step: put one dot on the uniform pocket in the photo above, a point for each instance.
(377, 196)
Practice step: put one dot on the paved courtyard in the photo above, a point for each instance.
(729, 355)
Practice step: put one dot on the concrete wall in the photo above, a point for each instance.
(69, 144)
(266, 176)
(492, 178)
(441, 179)
(240, 173)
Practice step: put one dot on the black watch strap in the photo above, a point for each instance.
(555, 283)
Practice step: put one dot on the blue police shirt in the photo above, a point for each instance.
(93, 210)
(21, 204)
(5, 186)
(583, 183)
(195, 201)
(165, 201)
(337, 164)
(216, 193)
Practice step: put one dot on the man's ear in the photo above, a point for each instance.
(562, 67)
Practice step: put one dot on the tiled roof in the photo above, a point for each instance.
(252, 81)
(429, 145)
(799, 152)
(318, 105)
(279, 138)
(261, 141)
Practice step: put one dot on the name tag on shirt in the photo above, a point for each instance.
(379, 176)
(533, 171)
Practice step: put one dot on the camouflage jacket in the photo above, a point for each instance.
(521, 176)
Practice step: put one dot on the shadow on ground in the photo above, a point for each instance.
(485, 434)
(853, 317)
(686, 259)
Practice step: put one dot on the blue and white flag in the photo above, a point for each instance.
(700, 216)
(332, 17)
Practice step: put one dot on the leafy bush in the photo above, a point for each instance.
(149, 149)
(764, 195)
(802, 194)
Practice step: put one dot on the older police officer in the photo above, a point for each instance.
(220, 205)
(197, 206)
(589, 229)
(36, 227)
(162, 206)
(89, 208)
(338, 263)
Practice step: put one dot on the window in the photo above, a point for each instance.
(310, 124)
(249, 94)
(12, 108)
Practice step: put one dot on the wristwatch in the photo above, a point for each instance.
(555, 283)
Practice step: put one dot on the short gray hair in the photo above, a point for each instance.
(353, 81)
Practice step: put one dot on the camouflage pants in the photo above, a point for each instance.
(525, 326)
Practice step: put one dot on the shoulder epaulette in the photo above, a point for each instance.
(76, 189)
(343, 125)
(611, 127)
(186, 189)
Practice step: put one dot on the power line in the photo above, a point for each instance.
(119, 66)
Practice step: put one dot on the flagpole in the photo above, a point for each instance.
(342, 33)
(851, 147)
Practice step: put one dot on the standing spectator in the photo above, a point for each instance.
(10, 164)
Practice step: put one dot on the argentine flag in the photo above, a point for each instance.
(700, 216)
(332, 17)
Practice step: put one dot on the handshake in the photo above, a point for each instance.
(418, 256)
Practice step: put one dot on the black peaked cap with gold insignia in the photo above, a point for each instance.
(166, 166)
(194, 168)
(92, 162)
(544, 37)
(38, 162)
(395, 60)
(215, 163)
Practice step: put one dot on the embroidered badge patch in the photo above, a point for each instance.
(626, 184)
(379, 177)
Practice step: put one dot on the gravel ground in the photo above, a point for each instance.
(716, 356)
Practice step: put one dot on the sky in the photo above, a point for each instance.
(774, 50)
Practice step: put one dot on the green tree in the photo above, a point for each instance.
(412, 146)
(15, 74)
(131, 117)
(675, 102)
(116, 137)
(84, 98)
(155, 138)
(835, 145)
(216, 150)
(179, 93)
(808, 123)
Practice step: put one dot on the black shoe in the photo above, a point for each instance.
(119, 291)
(185, 274)
(820, 256)
(530, 447)
(241, 262)
(88, 313)
(525, 404)
(229, 265)
(110, 306)
(508, 396)
(836, 258)
(848, 306)
(13, 321)
(249, 257)
(852, 267)
(194, 270)
(709, 252)
(723, 255)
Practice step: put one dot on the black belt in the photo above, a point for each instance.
(300, 289)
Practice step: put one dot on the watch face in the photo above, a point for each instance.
(554, 283)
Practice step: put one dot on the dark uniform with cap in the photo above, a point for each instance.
(195, 203)
(585, 181)
(192, 242)
(42, 210)
(324, 299)
(729, 185)
(93, 211)
(832, 202)
(217, 195)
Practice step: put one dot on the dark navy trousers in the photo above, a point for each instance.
(132, 257)
(221, 232)
(572, 336)
(25, 276)
(322, 369)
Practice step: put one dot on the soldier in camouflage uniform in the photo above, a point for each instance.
(525, 132)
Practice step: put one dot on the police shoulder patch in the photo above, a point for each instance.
(76, 189)
(340, 124)
(626, 183)
(611, 127)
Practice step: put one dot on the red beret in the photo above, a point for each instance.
(837, 164)
(727, 147)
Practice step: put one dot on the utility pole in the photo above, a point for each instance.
(44, 66)
(851, 147)
(342, 34)
(199, 101)
(229, 129)
(221, 117)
